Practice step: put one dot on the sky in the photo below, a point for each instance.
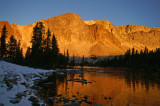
(118, 12)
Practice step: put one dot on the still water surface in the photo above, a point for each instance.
(114, 87)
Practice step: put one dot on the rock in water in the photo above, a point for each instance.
(75, 103)
(105, 97)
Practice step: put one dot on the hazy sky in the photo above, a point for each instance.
(118, 12)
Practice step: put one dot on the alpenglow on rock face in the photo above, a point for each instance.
(99, 37)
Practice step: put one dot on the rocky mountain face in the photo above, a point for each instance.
(99, 37)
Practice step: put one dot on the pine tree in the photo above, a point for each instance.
(55, 52)
(48, 40)
(64, 59)
(12, 46)
(73, 61)
(141, 52)
(146, 50)
(136, 52)
(67, 58)
(128, 53)
(55, 49)
(28, 56)
(3, 48)
(43, 45)
(83, 61)
(133, 51)
(38, 32)
(19, 54)
(37, 44)
(47, 60)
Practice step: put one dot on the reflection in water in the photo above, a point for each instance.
(111, 87)
(143, 79)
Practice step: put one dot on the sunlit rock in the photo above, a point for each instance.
(96, 37)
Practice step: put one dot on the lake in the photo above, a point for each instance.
(102, 87)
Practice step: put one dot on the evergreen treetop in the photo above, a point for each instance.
(3, 42)
(55, 49)
(12, 47)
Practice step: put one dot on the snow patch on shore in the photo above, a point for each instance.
(16, 82)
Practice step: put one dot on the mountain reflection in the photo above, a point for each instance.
(143, 79)
(123, 87)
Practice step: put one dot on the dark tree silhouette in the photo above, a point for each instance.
(146, 50)
(12, 47)
(37, 44)
(133, 52)
(47, 53)
(27, 58)
(19, 54)
(55, 49)
(48, 41)
(55, 52)
(44, 52)
(148, 60)
(83, 61)
(3, 48)
(73, 61)
(128, 53)
(67, 58)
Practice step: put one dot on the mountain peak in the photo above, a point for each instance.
(64, 16)
(14, 24)
(97, 37)
(2, 23)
